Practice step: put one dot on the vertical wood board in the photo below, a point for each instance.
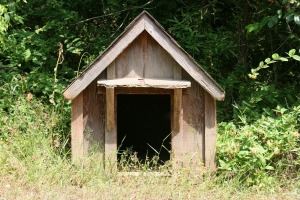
(94, 119)
(210, 132)
(130, 62)
(193, 122)
(111, 71)
(160, 64)
(77, 127)
(110, 132)
(177, 130)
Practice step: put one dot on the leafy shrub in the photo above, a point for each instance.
(268, 146)
(34, 129)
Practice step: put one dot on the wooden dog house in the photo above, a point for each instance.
(145, 68)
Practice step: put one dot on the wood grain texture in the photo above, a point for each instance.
(193, 123)
(130, 62)
(111, 71)
(94, 120)
(77, 127)
(110, 131)
(177, 71)
(159, 63)
(210, 132)
(145, 58)
(143, 91)
(177, 129)
(144, 83)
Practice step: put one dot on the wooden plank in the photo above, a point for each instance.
(105, 59)
(111, 71)
(127, 90)
(77, 127)
(210, 132)
(193, 124)
(94, 120)
(140, 82)
(130, 62)
(177, 131)
(185, 61)
(110, 131)
(110, 109)
(159, 63)
(177, 73)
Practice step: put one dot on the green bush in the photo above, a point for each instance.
(267, 147)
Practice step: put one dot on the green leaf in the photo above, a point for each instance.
(292, 52)
(272, 61)
(265, 66)
(279, 13)
(284, 1)
(6, 17)
(269, 167)
(264, 22)
(268, 60)
(261, 64)
(275, 56)
(224, 165)
(296, 57)
(283, 59)
(273, 21)
(289, 18)
(252, 27)
(297, 19)
(27, 54)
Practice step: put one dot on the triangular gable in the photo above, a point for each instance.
(145, 22)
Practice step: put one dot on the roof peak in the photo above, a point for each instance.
(145, 22)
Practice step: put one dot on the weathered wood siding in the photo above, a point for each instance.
(193, 123)
(210, 132)
(77, 127)
(94, 118)
(88, 122)
(145, 58)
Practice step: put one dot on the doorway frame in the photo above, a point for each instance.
(111, 148)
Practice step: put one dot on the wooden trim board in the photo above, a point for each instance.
(210, 132)
(177, 131)
(145, 83)
(110, 131)
(77, 127)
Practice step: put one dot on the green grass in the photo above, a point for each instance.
(62, 180)
(35, 163)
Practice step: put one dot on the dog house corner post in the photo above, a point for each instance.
(110, 131)
(77, 127)
(210, 132)
(177, 132)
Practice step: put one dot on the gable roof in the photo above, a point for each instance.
(145, 22)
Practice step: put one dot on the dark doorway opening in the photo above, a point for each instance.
(144, 126)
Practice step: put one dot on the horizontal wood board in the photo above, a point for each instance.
(145, 83)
